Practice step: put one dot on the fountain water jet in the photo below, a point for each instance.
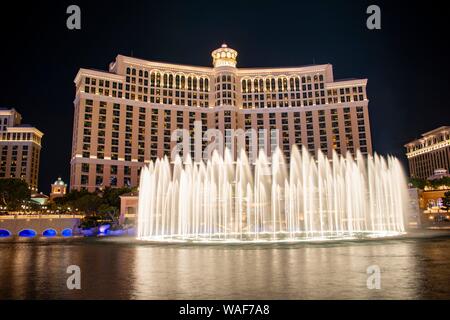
(310, 199)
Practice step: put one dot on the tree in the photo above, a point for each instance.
(34, 206)
(445, 181)
(446, 200)
(88, 203)
(71, 197)
(13, 193)
(104, 206)
(111, 202)
(111, 213)
(111, 196)
(68, 201)
(418, 183)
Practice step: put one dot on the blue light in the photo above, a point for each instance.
(27, 233)
(49, 233)
(104, 228)
(4, 233)
(66, 233)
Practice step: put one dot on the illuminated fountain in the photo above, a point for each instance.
(310, 199)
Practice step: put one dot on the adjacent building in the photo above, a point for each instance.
(124, 117)
(58, 189)
(429, 154)
(20, 147)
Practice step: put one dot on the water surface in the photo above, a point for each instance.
(117, 268)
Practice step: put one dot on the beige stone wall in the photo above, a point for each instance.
(14, 226)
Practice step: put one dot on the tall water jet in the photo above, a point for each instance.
(309, 198)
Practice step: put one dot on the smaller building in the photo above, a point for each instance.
(58, 189)
(429, 153)
(128, 206)
(20, 148)
(39, 198)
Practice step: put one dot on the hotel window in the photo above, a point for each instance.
(84, 179)
(85, 167)
(98, 180)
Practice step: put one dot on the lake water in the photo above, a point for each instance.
(118, 268)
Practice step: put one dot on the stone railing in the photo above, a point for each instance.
(40, 216)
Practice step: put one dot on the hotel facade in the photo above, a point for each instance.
(124, 118)
(20, 148)
(429, 154)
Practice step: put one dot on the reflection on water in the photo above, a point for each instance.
(115, 269)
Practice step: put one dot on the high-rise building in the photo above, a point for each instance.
(124, 118)
(20, 148)
(429, 153)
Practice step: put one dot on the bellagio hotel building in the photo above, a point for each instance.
(124, 118)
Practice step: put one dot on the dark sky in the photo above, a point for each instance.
(406, 61)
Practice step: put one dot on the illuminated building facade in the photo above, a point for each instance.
(124, 118)
(429, 153)
(20, 148)
(58, 189)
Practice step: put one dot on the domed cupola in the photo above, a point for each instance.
(224, 57)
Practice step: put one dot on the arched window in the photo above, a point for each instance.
(170, 81)
(152, 79)
(27, 233)
(49, 233)
(165, 80)
(272, 84)
(321, 78)
(206, 84)
(183, 82)
(158, 79)
(194, 83)
(255, 85)
(66, 233)
(4, 233)
(249, 85)
(261, 85)
(189, 83)
(244, 85)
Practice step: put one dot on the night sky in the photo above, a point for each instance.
(406, 61)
